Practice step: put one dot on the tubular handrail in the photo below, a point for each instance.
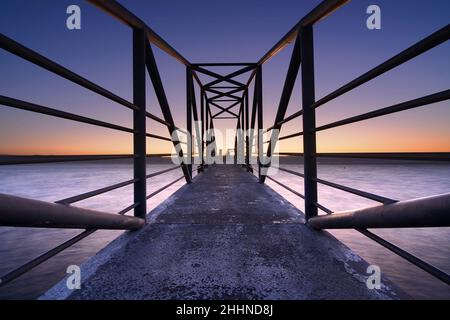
(304, 31)
(294, 135)
(10, 276)
(154, 174)
(157, 119)
(302, 60)
(287, 119)
(164, 187)
(96, 192)
(360, 193)
(286, 187)
(429, 212)
(357, 192)
(427, 267)
(22, 212)
(119, 12)
(425, 212)
(73, 216)
(415, 50)
(414, 156)
(419, 102)
(17, 160)
(318, 13)
(155, 136)
(37, 59)
(23, 105)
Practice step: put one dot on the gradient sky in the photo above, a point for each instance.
(225, 31)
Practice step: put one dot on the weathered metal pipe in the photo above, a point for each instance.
(22, 212)
(418, 213)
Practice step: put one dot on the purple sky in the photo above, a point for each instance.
(231, 31)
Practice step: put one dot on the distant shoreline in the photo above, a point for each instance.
(344, 158)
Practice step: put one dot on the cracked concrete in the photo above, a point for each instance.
(225, 236)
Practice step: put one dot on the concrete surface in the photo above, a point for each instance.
(225, 236)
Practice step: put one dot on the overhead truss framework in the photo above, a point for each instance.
(224, 93)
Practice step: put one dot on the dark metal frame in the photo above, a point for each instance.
(249, 118)
(302, 33)
(143, 59)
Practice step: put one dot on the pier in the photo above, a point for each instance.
(225, 234)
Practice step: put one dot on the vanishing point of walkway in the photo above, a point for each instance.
(225, 236)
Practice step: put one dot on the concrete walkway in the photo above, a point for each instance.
(225, 236)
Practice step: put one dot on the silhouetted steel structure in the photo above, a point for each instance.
(231, 98)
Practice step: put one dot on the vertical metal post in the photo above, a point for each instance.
(202, 129)
(242, 136)
(207, 142)
(247, 129)
(237, 140)
(309, 121)
(189, 88)
(213, 137)
(252, 123)
(198, 134)
(259, 99)
(139, 123)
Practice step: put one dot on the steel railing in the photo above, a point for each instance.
(302, 60)
(20, 212)
(225, 89)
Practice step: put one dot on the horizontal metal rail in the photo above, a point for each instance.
(290, 171)
(22, 212)
(163, 188)
(323, 208)
(221, 78)
(413, 156)
(286, 187)
(417, 213)
(294, 135)
(155, 136)
(154, 174)
(360, 193)
(228, 77)
(224, 64)
(226, 100)
(436, 272)
(37, 59)
(228, 93)
(157, 119)
(14, 274)
(433, 98)
(23, 105)
(294, 154)
(417, 49)
(225, 118)
(15, 160)
(224, 87)
(291, 117)
(97, 192)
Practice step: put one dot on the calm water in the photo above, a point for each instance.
(51, 182)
